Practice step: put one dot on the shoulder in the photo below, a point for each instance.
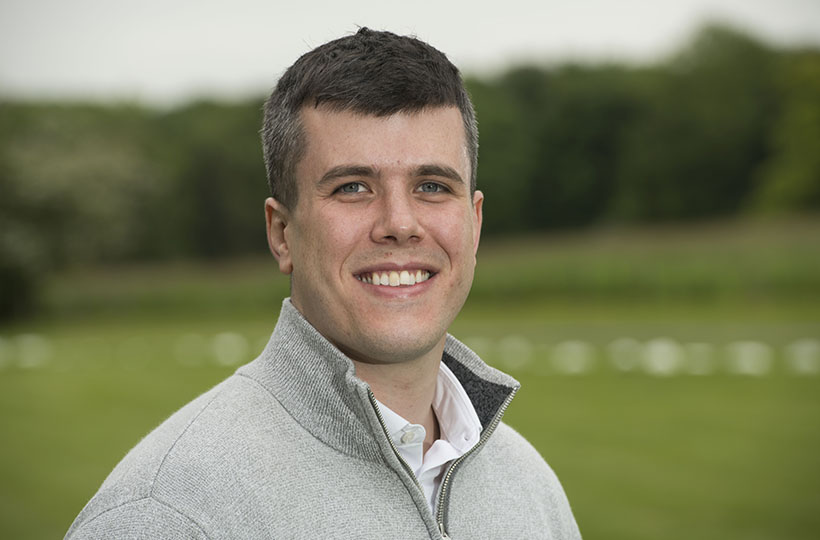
(144, 487)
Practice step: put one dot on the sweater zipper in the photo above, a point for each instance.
(443, 533)
(398, 455)
(445, 482)
(390, 440)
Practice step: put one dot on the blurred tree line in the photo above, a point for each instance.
(728, 124)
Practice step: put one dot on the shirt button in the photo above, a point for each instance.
(408, 437)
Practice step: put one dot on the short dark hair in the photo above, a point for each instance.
(370, 72)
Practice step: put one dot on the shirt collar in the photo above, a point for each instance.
(457, 417)
(458, 421)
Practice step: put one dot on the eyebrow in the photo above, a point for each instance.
(344, 171)
(439, 170)
(362, 171)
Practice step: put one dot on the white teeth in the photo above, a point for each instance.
(395, 278)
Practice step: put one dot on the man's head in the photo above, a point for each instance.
(381, 243)
(371, 73)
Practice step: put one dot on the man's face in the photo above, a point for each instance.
(384, 198)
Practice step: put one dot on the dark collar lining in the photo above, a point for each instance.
(487, 397)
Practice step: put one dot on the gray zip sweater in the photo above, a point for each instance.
(291, 446)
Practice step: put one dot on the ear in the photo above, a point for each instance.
(277, 218)
(478, 205)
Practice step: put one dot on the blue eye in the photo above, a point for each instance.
(431, 187)
(351, 187)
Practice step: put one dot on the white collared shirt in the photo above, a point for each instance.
(459, 428)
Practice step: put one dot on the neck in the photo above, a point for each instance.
(407, 388)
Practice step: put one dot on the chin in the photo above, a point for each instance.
(395, 348)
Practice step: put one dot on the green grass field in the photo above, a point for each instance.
(671, 377)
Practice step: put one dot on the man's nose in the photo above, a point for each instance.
(397, 220)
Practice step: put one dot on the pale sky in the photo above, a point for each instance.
(166, 51)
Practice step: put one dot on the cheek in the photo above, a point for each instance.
(331, 237)
(456, 234)
(307, 248)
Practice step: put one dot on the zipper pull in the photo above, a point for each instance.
(443, 534)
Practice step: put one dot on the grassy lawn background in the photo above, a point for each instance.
(642, 456)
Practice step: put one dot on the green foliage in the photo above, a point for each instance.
(76, 178)
(212, 152)
(586, 111)
(725, 120)
(791, 178)
(505, 152)
(77, 187)
(550, 144)
(694, 150)
(95, 183)
(85, 184)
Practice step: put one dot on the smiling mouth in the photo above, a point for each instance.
(394, 278)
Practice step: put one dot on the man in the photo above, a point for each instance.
(362, 418)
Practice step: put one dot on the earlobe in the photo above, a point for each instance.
(277, 219)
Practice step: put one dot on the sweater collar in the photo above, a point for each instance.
(317, 384)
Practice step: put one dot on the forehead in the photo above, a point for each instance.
(405, 139)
